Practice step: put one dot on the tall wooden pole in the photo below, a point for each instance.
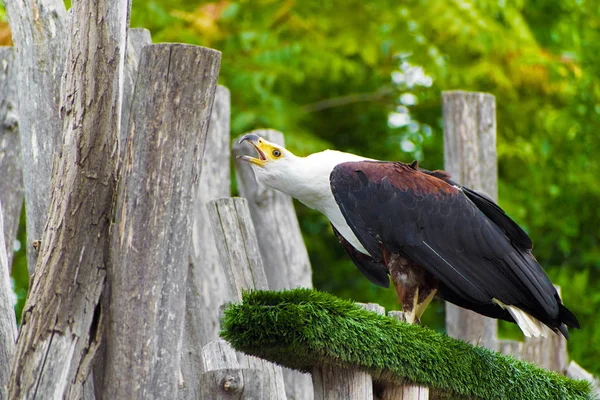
(60, 326)
(470, 157)
(150, 239)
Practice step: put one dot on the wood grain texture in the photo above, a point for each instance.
(238, 248)
(39, 30)
(334, 383)
(282, 247)
(218, 354)
(136, 39)
(8, 321)
(59, 333)
(470, 157)
(207, 287)
(150, 241)
(230, 384)
(11, 176)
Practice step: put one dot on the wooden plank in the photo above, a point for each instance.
(284, 254)
(8, 321)
(511, 347)
(405, 392)
(470, 157)
(11, 178)
(218, 354)
(170, 113)
(207, 286)
(39, 32)
(238, 248)
(62, 319)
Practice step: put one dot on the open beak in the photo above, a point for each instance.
(255, 141)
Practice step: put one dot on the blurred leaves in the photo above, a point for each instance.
(366, 77)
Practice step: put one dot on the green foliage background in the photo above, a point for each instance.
(367, 76)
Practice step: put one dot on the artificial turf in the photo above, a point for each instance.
(302, 328)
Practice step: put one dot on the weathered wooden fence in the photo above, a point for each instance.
(124, 164)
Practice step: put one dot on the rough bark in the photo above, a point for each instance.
(11, 178)
(171, 109)
(225, 379)
(39, 29)
(8, 321)
(238, 248)
(60, 328)
(282, 247)
(335, 383)
(136, 39)
(470, 157)
(207, 287)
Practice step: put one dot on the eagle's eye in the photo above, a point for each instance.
(276, 153)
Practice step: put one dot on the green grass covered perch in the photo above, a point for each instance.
(302, 328)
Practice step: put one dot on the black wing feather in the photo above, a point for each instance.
(461, 237)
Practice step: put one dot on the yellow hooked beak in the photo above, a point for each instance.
(266, 150)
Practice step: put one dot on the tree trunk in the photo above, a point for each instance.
(207, 287)
(8, 321)
(11, 178)
(39, 29)
(171, 109)
(136, 39)
(470, 157)
(61, 320)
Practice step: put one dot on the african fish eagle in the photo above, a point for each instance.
(431, 235)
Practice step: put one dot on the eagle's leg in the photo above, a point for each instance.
(414, 286)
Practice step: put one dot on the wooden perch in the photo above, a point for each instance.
(60, 326)
(470, 157)
(150, 241)
(11, 175)
(240, 256)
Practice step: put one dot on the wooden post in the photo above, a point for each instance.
(207, 286)
(331, 382)
(280, 241)
(60, 329)
(8, 321)
(224, 379)
(406, 392)
(136, 39)
(11, 177)
(238, 248)
(470, 157)
(548, 352)
(150, 240)
(334, 383)
(39, 32)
